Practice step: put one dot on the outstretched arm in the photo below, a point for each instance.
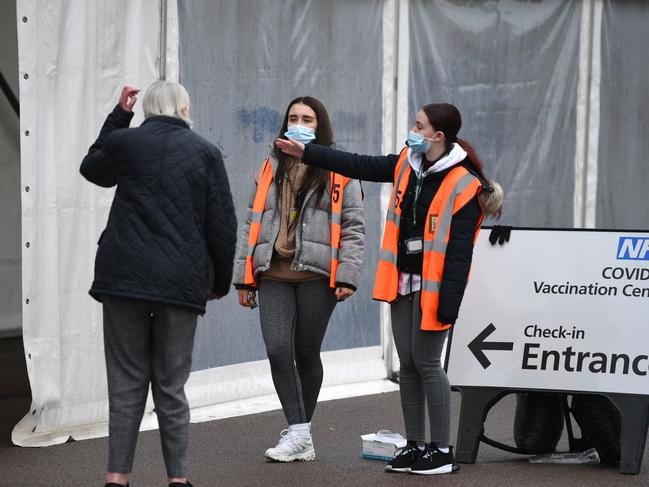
(357, 166)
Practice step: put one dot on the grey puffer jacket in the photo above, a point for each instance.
(312, 236)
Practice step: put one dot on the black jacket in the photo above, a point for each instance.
(459, 252)
(171, 231)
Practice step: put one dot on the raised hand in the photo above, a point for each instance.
(128, 98)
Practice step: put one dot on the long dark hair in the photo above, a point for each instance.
(323, 136)
(446, 118)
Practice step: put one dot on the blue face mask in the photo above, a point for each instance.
(300, 133)
(418, 143)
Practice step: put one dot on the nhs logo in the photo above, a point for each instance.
(633, 248)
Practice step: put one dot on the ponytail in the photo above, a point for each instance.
(492, 194)
(473, 157)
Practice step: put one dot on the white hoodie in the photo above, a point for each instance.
(455, 156)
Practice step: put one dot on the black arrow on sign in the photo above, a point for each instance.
(478, 345)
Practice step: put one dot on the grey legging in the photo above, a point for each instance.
(422, 379)
(294, 318)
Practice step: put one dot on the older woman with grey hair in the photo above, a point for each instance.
(167, 248)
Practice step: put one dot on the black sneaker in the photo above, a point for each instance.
(404, 458)
(432, 461)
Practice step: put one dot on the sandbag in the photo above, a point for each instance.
(538, 422)
(600, 423)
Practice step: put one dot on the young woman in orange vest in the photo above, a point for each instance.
(438, 201)
(302, 248)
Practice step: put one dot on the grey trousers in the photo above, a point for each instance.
(422, 379)
(294, 319)
(147, 343)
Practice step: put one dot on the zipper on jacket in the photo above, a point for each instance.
(298, 266)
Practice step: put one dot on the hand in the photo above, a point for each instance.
(343, 293)
(500, 234)
(128, 98)
(247, 298)
(290, 147)
(213, 296)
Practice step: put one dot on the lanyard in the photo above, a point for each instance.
(418, 185)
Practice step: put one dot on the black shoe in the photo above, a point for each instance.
(404, 458)
(179, 484)
(113, 484)
(432, 461)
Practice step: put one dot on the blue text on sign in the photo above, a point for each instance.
(633, 248)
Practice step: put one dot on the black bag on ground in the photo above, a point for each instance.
(538, 422)
(600, 423)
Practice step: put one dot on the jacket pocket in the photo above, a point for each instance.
(317, 226)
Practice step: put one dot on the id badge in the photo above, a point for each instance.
(414, 245)
(432, 223)
(292, 215)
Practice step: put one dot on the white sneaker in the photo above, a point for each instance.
(292, 447)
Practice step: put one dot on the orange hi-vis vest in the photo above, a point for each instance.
(264, 180)
(457, 189)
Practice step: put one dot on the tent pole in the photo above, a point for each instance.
(162, 67)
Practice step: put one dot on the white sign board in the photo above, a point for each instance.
(556, 309)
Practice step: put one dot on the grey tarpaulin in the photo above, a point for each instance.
(242, 62)
(623, 172)
(10, 248)
(511, 67)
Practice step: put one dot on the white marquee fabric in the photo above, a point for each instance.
(75, 55)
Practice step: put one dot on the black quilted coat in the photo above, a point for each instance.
(171, 232)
